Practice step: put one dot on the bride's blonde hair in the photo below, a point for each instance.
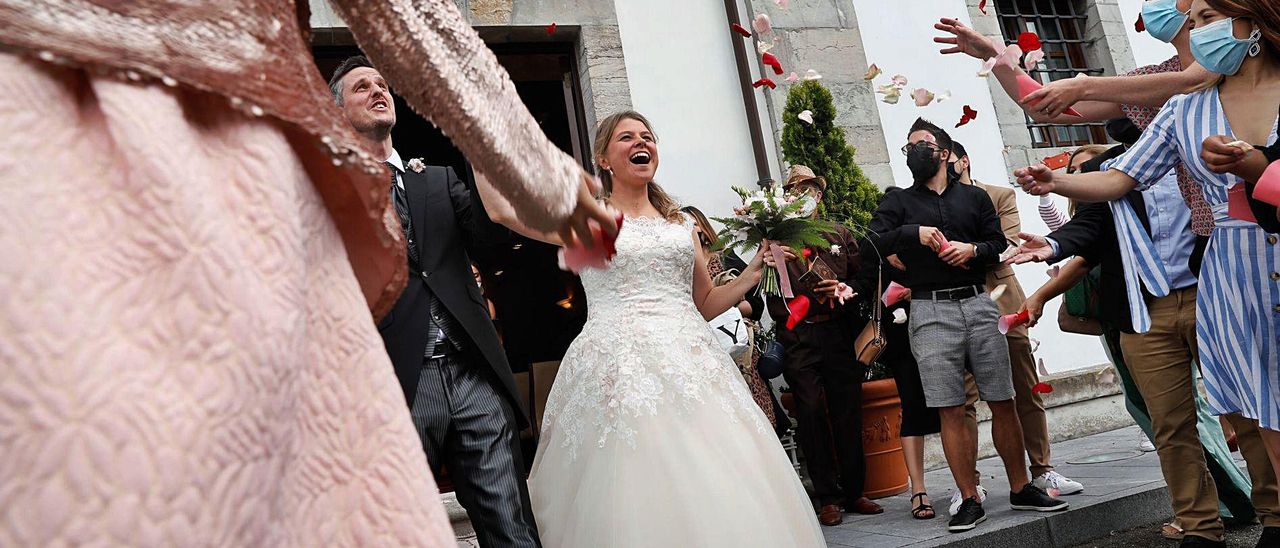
(661, 201)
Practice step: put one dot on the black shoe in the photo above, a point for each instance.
(1033, 499)
(968, 516)
(1192, 540)
(1270, 538)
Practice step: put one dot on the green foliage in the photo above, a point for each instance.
(850, 197)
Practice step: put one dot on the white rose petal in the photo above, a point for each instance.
(998, 291)
(899, 316)
(806, 116)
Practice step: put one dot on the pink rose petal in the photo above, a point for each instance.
(762, 24)
(922, 97)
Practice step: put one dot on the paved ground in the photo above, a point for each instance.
(1149, 537)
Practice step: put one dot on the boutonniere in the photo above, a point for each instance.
(835, 250)
(417, 165)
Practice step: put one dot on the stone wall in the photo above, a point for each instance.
(823, 35)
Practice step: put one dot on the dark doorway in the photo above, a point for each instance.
(539, 308)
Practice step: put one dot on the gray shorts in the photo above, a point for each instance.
(949, 336)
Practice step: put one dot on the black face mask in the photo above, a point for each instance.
(923, 161)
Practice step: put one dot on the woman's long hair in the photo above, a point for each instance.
(708, 234)
(661, 201)
(1265, 14)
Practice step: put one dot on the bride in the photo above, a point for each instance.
(651, 437)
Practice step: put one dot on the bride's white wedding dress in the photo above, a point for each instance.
(651, 437)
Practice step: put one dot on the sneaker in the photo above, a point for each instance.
(1145, 445)
(955, 499)
(969, 515)
(1053, 480)
(1034, 499)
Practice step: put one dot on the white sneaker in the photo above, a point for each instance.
(1145, 445)
(1054, 480)
(956, 500)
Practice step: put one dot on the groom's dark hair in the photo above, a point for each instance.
(348, 65)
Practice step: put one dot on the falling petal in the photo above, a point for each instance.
(998, 292)
(1029, 41)
(982, 7)
(741, 30)
(1107, 376)
(764, 82)
(762, 46)
(806, 116)
(1041, 368)
(1140, 25)
(1042, 388)
(1035, 345)
(944, 96)
(987, 65)
(872, 72)
(772, 60)
(969, 115)
(899, 316)
(551, 29)
(1053, 272)
(812, 75)
(762, 24)
(793, 77)
(1033, 58)
(900, 81)
(1053, 491)
(922, 97)
(891, 93)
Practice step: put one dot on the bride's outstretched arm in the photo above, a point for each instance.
(713, 301)
(438, 63)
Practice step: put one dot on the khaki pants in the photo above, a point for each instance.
(1035, 430)
(1162, 362)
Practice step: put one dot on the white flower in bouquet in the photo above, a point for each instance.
(771, 215)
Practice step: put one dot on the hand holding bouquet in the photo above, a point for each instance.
(773, 217)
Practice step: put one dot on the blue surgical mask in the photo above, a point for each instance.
(1162, 18)
(1217, 49)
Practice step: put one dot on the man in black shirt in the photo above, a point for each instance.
(947, 234)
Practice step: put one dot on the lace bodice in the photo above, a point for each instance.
(645, 349)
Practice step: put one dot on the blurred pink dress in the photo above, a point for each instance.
(191, 240)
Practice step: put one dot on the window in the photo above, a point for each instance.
(1058, 23)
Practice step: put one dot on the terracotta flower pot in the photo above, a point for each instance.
(881, 420)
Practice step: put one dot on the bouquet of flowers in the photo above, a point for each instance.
(770, 215)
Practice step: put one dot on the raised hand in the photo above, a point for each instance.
(1036, 180)
(1057, 96)
(589, 213)
(964, 40)
(1034, 248)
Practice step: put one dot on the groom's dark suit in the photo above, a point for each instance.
(460, 389)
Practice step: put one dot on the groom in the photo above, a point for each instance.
(441, 341)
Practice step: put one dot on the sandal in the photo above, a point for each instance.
(1172, 531)
(924, 511)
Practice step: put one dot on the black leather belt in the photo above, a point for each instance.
(954, 294)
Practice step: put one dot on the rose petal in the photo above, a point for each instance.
(772, 60)
(872, 72)
(762, 24)
(551, 29)
(891, 93)
(764, 82)
(806, 116)
(762, 46)
(922, 97)
(944, 96)
(1029, 41)
(987, 65)
(967, 116)
(793, 77)
(1042, 388)
(982, 7)
(1140, 25)
(900, 81)
(1011, 56)
(1041, 368)
(1035, 345)
(1033, 58)
(1107, 376)
(740, 30)
(899, 316)
(812, 75)
(1053, 272)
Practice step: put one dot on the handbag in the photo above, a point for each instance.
(871, 341)
(1080, 310)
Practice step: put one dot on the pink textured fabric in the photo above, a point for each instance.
(1201, 215)
(186, 357)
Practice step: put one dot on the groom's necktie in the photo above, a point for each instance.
(402, 209)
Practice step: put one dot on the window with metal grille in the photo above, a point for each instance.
(1059, 24)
